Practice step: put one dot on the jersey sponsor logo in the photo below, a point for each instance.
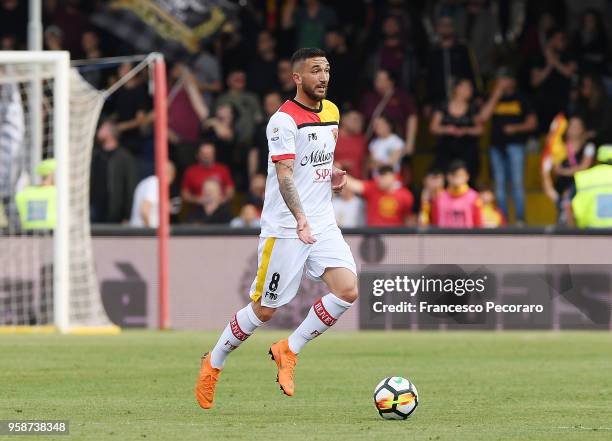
(322, 175)
(317, 157)
(238, 333)
(322, 313)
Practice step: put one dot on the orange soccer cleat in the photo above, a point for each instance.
(285, 361)
(207, 381)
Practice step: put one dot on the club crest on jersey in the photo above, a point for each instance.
(312, 137)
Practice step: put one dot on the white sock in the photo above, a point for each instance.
(322, 315)
(242, 325)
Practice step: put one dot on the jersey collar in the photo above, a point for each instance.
(308, 108)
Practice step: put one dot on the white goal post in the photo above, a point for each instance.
(49, 93)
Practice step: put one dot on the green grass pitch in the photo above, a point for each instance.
(472, 386)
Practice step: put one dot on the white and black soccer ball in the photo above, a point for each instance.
(396, 398)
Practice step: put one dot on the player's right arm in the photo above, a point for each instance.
(286, 185)
(282, 133)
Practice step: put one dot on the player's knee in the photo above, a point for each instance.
(263, 313)
(348, 293)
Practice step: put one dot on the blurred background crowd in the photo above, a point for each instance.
(446, 108)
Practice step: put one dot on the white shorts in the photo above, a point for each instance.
(281, 262)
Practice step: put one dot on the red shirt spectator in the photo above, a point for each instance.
(387, 202)
(351, 148)
(206, 169)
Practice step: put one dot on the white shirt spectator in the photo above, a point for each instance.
(239, 222)
(349, 212)
(382, 150)
(146, 190)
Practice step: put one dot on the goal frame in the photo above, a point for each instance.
(61, 126)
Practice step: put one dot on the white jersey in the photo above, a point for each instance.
(309, 137)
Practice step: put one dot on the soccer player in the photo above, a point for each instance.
(298, 228)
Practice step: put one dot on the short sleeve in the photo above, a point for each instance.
(281, 133)
(589, 150)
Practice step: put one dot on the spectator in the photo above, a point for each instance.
(207, 73)
(205, 169)
(395, 54)
(145, 208)
(348, 209)
(459, 206)
(551, 77)
(591, 44)
(492, 216)
(246, 105)
(387, 202)
(433, 183)
(187, 111)
(478, 30)
(535, 36)
(310, 21)
(212, 208)
(90, 45)
(258, 154)
(261, 73)
(579, 155)
(513, 119)
(594, 106)
(13, 20)
(54, 39)
(285, 79)
(386, 147)
(257, 190)
(36, 204)
(343, 64)
(351, 147)
(386, 99)
(219, 129)
(113, 178)
(592, 205)
(458, 129)
(73, 24)
(130, 105)
(448, 60)
(249, 218)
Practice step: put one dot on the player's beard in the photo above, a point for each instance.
(312, 93)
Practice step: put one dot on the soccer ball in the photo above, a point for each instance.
(396, 398)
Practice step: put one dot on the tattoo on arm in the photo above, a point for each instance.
(290, 196)
(288, 190)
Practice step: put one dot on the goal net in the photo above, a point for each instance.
(48, 118)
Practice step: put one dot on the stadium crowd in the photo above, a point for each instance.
(441, 103)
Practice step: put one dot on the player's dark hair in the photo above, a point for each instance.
(434, 172)
(383, 170)
(457, 165)
(305, 53)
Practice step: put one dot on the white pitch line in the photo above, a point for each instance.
(584, 428)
